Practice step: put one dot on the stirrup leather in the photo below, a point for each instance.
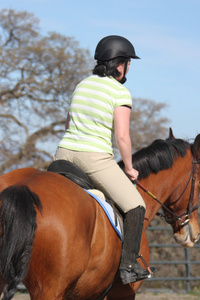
(150, 270)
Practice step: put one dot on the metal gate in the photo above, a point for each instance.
(187, 262)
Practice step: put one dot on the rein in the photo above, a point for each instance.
(184, 217)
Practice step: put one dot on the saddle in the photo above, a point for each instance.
(71, 171)
(74, 173)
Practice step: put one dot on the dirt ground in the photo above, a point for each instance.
(140, 296)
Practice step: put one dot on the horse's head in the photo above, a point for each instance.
(171, 168)
(185, 199)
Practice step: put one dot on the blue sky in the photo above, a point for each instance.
(165, 34)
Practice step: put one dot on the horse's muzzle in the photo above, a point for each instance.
(186, 238)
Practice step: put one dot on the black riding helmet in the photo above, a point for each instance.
(114, 46)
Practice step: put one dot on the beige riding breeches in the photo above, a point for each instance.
(105, 175)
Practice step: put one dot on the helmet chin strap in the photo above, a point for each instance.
(123, 80)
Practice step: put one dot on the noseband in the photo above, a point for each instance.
(185, 216)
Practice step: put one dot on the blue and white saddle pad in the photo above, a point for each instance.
(109, 212)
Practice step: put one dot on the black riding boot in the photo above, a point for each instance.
(130, 269)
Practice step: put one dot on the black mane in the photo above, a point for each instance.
(160, 155)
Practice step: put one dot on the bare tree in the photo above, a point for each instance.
(147, 124)
(38, 75)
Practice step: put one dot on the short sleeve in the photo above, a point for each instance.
(123, 98)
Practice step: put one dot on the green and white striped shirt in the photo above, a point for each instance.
(91, 114)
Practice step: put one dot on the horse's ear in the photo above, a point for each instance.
(196, 147)
(171, 135)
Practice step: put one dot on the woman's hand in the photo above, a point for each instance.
(132, 173)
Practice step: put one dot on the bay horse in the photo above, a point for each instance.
(58, 241)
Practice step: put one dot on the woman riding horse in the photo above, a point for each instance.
(58, 241)
(101, 105)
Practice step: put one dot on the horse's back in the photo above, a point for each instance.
(16, 177)
(74, 241)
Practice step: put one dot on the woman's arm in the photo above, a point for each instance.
(122, 134)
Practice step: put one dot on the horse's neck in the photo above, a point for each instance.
(164, 183)
(160, 186)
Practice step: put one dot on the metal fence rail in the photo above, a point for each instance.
(187, 261)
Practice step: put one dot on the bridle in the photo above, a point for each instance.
(185, 216)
